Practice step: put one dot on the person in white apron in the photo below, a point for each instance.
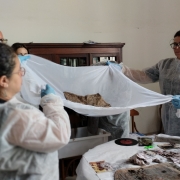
(29, 138)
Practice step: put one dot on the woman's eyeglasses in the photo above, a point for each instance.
(175, 45)
(21, 71)
(3, 40)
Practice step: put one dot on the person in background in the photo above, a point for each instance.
(29, 138)
(2, 40)
(1, 36)
(167, 72)
(117, 125)
(20, 49)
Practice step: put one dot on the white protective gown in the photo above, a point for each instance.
(167, 72)
(29, 139)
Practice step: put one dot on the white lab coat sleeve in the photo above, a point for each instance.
(33, 130)
(138, 76)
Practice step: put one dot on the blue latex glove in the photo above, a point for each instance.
(23, 58)
(176, 101)
(112, 63)
(48, 90)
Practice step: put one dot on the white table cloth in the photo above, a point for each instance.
(109, 152)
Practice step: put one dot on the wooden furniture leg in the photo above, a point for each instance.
(67, 164)
(133, 113)
(161, 130)
(62, 170)
(72, 165)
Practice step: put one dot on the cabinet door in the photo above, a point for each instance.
(73, 60)
(98, 57)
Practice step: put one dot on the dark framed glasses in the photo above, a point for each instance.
(175, 45)
(3, 40)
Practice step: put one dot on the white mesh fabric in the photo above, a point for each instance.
(115, 88)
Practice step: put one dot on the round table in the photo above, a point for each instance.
(109, 152)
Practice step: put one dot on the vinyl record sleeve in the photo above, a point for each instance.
(126, 142)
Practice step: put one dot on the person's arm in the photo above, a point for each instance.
(148, 75)
(138, 76)
(33, 130)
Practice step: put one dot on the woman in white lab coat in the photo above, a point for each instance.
(29, 138)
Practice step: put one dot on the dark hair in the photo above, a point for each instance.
(177, 34)
(16, 46)
(7, 63)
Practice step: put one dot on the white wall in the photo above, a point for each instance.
(146, 26)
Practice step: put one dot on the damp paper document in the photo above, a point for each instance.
(114, 87)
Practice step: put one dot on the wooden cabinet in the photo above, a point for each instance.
(77, 54)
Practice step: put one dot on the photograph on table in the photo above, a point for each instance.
(100, 166)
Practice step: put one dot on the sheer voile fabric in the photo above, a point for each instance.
(115, 88)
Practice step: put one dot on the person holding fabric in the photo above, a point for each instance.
(20, 49)
(167, 72)
(117, 125)
(29, 138)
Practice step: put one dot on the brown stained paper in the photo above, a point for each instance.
(93, 100)
(162, 171)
